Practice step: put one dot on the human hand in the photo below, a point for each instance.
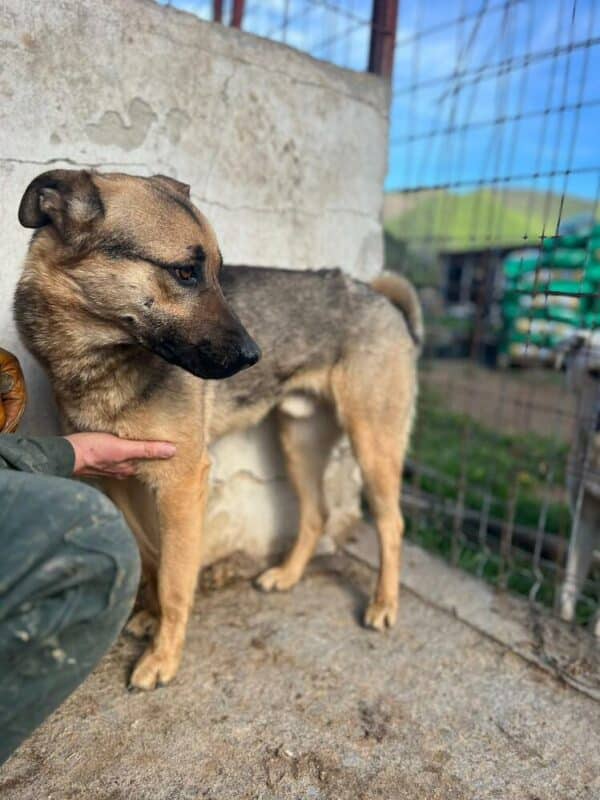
(108, 456)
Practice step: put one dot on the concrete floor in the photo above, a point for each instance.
(286, 696)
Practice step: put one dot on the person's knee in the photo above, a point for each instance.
(104, 535)
(88, 537)
(64, 531)
(102, 530)
(70, 564)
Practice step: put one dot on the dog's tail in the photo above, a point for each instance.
(403, 295)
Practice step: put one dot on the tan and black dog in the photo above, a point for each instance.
(124, 301)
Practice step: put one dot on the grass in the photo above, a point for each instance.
(523, 477)
(518, 576)
(514, 469)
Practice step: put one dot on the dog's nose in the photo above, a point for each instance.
(250, 351)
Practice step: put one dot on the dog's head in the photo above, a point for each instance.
(139, 255)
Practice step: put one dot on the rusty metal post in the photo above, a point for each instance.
(383, 37)
(237, 14)
(217, 10)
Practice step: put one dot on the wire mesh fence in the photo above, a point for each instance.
(501, 96)
(495, 174)
(332, 30)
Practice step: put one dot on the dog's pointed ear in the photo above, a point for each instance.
(173, 185)
(65, 198)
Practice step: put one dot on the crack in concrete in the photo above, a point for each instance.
(285, 209)
(73, 163)
(195, 197)
(217, 151)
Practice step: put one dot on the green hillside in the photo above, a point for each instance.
(449, 221)
(546, 205)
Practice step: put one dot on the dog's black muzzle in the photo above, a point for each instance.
(206, 359)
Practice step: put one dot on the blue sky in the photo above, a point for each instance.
(477, 71)
(462, 65)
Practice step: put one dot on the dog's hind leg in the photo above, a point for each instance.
(307, 435)
(377, 412)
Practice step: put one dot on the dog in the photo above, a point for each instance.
(125, 302)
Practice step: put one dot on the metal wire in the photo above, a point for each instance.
(514, 531)
(324, 28)
(488, 71)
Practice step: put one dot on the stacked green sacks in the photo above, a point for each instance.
(592, 273)
(549, 293)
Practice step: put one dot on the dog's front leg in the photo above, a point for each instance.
(180, 505)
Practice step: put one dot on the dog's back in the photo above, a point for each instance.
(306, 323)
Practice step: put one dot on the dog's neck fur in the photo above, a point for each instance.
(50, 326)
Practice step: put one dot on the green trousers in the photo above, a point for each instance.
(69, 570)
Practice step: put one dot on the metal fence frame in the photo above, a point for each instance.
(382, 29)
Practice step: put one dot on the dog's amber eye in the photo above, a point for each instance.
(185, 274)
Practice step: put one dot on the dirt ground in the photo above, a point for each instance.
(286, 696)
(511, 400)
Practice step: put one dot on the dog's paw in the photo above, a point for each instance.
(142, 625)
(381, 615)
(153, 669)
(277, 579)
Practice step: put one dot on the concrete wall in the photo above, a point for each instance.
(286, 155)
